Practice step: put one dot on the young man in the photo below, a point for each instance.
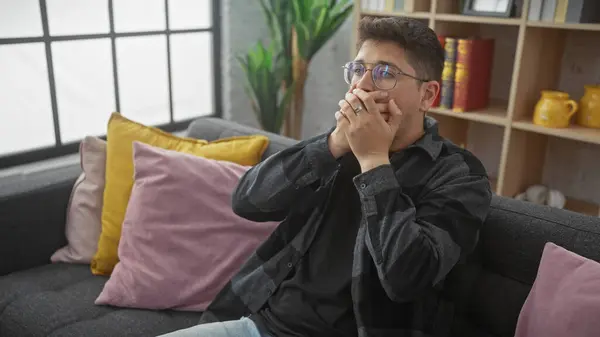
(375, 213)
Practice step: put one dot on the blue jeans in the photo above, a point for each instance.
(244, 327)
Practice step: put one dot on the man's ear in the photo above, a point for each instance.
(430, 91)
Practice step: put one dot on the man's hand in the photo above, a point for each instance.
(369, 135)
(338, 143)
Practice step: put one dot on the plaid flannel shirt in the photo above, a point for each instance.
(420, 216)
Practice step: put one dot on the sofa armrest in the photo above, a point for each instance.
(32, 216)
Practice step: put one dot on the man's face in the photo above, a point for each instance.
(412, 96)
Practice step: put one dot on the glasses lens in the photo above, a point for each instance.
(353, 72)
(383, 77)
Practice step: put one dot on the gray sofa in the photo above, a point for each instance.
(41, 299)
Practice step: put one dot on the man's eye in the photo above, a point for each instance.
(386, 74)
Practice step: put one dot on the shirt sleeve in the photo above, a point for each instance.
(286, 181)
(415, 243)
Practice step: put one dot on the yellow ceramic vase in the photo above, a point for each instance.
(554, 109)
(589, 112)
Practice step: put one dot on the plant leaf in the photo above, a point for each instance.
(303, 39)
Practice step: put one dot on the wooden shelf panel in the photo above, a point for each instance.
(566, 26)
(583, 207)
(495, 114)
(494, 183)
(477, 19)
(416, 15)
(575, 132)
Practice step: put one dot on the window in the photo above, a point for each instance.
(66, 65)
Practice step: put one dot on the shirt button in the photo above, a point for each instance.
(363, 185)
(289, 265)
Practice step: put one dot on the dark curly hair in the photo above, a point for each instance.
(423, 49)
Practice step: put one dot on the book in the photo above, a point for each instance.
(389, 6)
(472, 82)
(448, 73)
(548, 10)
(583, 11)
(535, 10)
(436, 102)
(398, 5)
(561, 11)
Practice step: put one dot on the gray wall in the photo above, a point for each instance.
(243, 25)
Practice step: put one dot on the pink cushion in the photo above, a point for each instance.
(84, 210)
(565, 297)
(181, 241)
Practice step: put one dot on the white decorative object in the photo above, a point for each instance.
(556, 199)
(542, 195)
(537, 194)
(521, 196)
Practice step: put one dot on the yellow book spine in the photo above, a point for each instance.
(561, 11)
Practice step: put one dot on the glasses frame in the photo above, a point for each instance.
(373, 65)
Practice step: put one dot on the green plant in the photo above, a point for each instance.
(264, 75)
(299, 28)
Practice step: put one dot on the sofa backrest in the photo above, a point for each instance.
(211, 128)
(490, 289)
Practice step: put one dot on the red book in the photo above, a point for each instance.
(436, 102)
(472, 81)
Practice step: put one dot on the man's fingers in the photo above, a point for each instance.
(395, 115)
(355, 103)
(347, 110)
(383, 107)
(340, 117)
(365, 100)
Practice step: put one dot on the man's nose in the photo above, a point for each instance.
(366, 82)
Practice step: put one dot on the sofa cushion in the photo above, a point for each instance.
(211, 128)
(181, 241)
(57, 300)
(122, 132)
(85, 205)
(490, 290)
(565, 298)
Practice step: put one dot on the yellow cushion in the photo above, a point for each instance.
(244, 150)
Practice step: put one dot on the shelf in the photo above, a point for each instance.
(566, 26)
(575, 132)
(477, 19)
(416, 15)
(495, 114)
(530, 56)
(494, 184)
(583, 207)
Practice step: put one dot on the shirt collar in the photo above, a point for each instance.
(431, 141)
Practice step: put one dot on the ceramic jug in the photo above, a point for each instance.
(589, 111)
(554, 109)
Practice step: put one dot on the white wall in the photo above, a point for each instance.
(243, 25)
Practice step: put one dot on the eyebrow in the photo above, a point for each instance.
(386, 63)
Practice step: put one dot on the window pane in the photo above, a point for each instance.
(139, 15)
(85, 91)
(26, 118)
(192, 75)
(76, 17)
(143, 78)
(190, 14)
(20, 18)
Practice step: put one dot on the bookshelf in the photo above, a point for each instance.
(528, 58)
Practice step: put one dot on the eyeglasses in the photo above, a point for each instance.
(384, 76)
